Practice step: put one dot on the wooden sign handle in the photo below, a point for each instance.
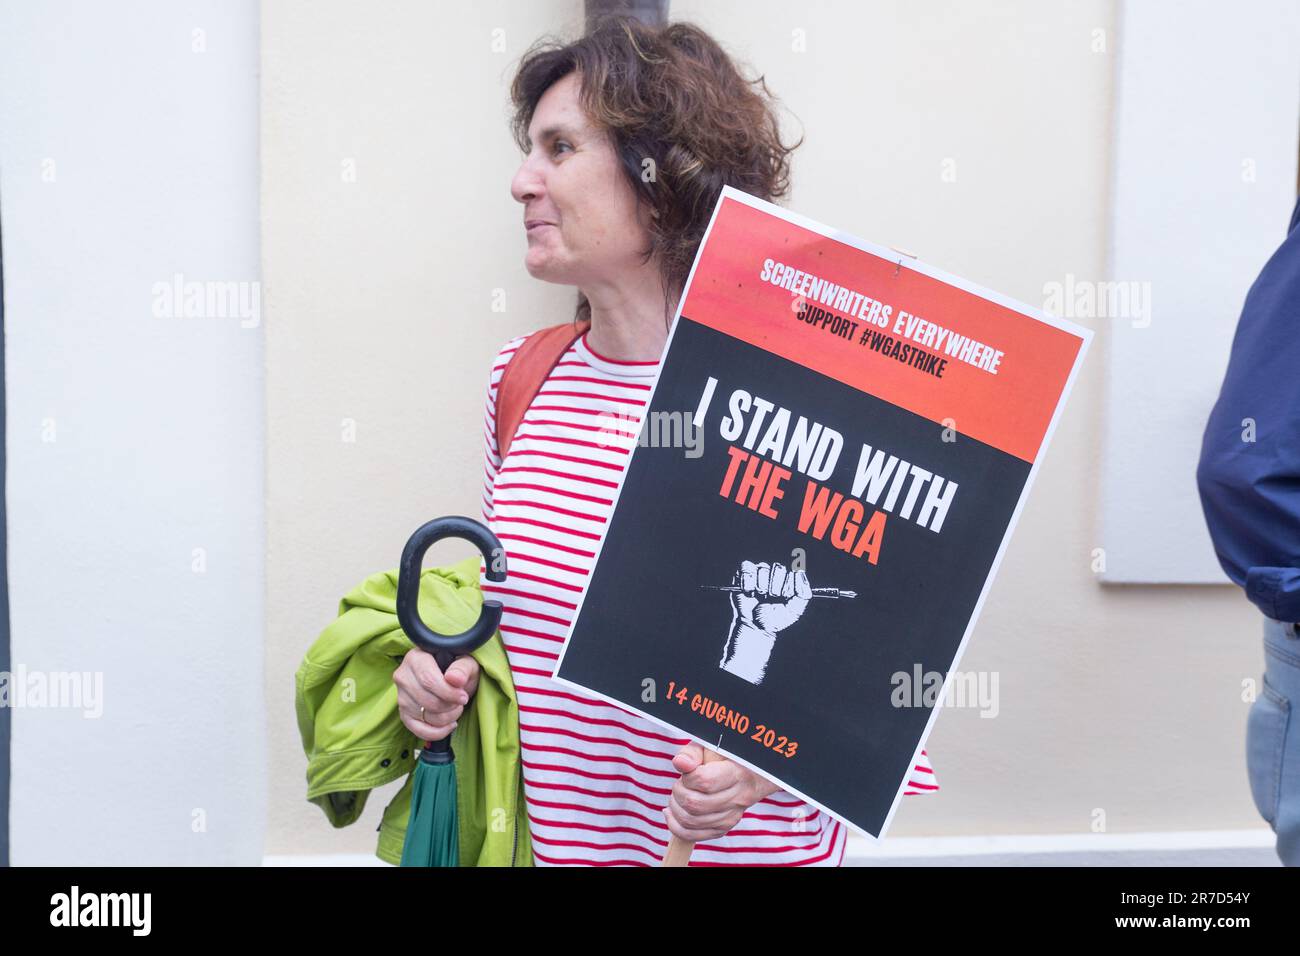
(679, 850)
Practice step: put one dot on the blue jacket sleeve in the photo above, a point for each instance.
(1248, 475)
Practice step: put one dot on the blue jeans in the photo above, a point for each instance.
(1272, 744)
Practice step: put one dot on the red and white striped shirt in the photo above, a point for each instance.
(597, 777)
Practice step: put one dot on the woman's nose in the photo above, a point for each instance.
(527, 184)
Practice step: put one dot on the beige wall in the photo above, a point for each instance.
(379, 310)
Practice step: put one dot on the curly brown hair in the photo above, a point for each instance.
(670, 94)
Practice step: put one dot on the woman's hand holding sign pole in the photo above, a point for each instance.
(709, 799)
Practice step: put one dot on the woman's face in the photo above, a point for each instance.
(571, 180)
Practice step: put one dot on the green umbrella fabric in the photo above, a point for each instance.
(433, 832)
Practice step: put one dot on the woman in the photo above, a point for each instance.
(629, 135)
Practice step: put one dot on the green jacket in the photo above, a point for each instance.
(346, 704)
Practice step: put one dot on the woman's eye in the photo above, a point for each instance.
(558, 144)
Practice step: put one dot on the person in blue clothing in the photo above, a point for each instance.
(1249, 482)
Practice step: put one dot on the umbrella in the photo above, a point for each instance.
(433, 831)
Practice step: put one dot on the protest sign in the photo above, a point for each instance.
(830, 466)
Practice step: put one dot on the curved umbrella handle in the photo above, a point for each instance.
(446, 647)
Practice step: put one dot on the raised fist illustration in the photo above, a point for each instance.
(770, 598)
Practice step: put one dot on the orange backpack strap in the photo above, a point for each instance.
(525, 373)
